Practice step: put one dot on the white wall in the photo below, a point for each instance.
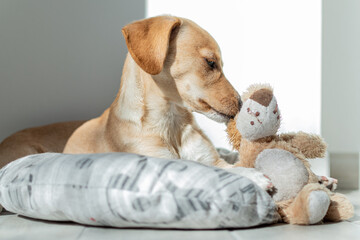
(277, 41)
(341, 75)
(60, 59)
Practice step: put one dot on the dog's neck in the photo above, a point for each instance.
(144, 101)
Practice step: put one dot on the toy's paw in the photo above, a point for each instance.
(330, 183)
(259, 178)
(318, 205)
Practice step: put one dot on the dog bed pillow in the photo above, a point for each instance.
(129, 190)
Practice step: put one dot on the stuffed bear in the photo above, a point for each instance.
(301, 196)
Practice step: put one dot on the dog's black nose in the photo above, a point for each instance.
(240, 104)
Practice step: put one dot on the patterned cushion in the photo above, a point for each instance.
(129, 190)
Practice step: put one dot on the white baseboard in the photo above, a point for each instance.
(345, 167)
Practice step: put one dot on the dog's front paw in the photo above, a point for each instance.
(259, 178)
(330, 183)
(262, 181)
(1, 208)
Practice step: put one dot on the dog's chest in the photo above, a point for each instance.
(167, 139)
(157, 146)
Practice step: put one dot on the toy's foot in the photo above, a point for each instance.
(330, 183)
(340, 208)
(319, 202)
(259, 178)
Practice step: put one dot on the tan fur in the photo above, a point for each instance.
(302, 146)
(49, 138)
(157, 126)
(155, 42)
(340, 208)
(311, 145)
(249, 150)
(295, 211)
(165, 78)
(234, 135)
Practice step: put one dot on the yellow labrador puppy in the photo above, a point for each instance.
(173, 68)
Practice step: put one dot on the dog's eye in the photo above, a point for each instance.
(211, 63)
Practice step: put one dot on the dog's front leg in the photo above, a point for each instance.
(197, 147)
(254, 175)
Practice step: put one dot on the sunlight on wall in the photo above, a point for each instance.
(278, 42)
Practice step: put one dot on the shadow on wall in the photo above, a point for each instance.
(60, 60)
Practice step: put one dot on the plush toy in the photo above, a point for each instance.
(302, 197)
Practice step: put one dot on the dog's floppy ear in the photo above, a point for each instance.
(148, 41)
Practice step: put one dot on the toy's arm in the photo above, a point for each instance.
(311, 145)
(233, 134)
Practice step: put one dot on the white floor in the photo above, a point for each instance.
(14, 227)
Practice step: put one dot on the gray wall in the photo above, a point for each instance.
(60, 60)
(341, 89)
(341, 75)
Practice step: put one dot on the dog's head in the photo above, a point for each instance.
(185, 62)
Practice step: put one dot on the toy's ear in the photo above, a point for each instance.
(262, 93)
(148, 41)
(262, 96)
(233, 134)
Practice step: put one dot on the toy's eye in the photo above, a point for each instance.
(211, 63)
